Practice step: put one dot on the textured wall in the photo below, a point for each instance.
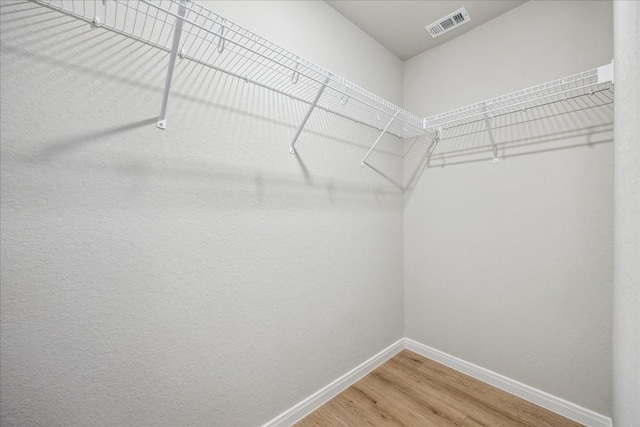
(626, 320)
(509, 266)
(197, 276)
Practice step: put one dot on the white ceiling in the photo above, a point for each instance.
(399, 25)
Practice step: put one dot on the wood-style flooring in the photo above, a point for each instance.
(410, 390)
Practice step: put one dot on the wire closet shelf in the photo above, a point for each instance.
(187, 30)
(586, 83)
(213, 41)
(563, 92)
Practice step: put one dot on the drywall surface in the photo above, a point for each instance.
(509, 265)
(200, 275)
(626, 300)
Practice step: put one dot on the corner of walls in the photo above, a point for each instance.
(478, 236)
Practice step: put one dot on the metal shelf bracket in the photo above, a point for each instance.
(177, 32)
(434, 142)
(605, 73)
(487, 123)
(306, 117)
(364, 159)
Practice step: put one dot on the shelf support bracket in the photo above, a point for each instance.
(306, 117)
(434, 142)
(386, 128)
(177, 33)
(494, 147)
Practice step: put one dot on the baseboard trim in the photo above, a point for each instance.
(319, 398)
(555, 404)
(545, 400)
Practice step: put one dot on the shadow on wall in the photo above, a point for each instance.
(583, 121)
(231, 129)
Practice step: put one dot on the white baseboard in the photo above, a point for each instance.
(545, 400)
(555, 404)
(319, 398)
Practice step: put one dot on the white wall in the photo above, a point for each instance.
(201, 275)
(509, 266)
(626, 297)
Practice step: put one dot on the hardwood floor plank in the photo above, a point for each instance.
(358, 398)
(342, 413)
(404, 380)
(466, 404)
(470, 422)
(410, 358)
(500, 401)
(412, 391)
(319, 418)
(406, 407)
(372, 416)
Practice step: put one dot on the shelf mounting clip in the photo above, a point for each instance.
(177, 33)
(487, 123)
(382, 132)
(306, 117)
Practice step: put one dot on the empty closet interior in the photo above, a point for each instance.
(220, 213)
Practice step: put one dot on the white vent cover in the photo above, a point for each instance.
(448, 23)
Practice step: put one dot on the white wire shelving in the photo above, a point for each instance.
(587, 83)
(189, 31)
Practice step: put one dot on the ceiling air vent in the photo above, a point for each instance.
(449, 22)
